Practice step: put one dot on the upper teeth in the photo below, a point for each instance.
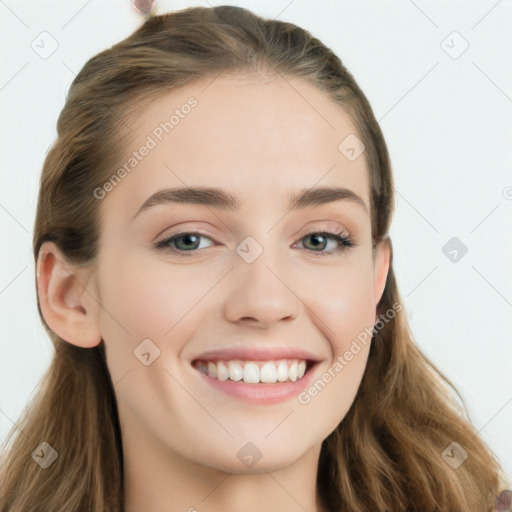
(254, 372)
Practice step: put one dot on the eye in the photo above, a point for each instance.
(190, 239)
(342, 242)
(189, 242)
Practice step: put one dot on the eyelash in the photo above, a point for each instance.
(345, 242)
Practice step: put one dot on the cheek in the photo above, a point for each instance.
(350, 312)
(148, 299)
(347, 308)
(345, 303)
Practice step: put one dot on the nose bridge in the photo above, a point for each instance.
(261, 291)
(257, 259)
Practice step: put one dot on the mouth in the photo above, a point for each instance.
(255, 371)
(256, 374)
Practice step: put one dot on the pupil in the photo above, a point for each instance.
(189, 239)
(316, 237)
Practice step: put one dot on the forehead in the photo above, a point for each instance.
(256, 136)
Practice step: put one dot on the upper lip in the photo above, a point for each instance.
(257, 353)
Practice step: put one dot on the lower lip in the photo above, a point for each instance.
(262, 393)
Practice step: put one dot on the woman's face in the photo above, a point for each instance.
(254, 283)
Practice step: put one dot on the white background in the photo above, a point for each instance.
(448, 125)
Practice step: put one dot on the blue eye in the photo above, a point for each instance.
(343, 242)
(192, 242)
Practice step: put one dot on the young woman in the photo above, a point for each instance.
(215, 272)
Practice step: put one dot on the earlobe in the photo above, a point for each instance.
(382, 262)
(62, 293)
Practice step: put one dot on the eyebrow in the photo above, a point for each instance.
(219, 198)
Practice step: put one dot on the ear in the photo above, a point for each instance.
(382, 258)
(66, 295)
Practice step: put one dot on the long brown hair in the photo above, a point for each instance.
(386, 454)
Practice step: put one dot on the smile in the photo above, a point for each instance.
(254, 372)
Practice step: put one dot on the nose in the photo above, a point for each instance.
(263, 293)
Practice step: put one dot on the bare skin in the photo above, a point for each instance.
(259, 139)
